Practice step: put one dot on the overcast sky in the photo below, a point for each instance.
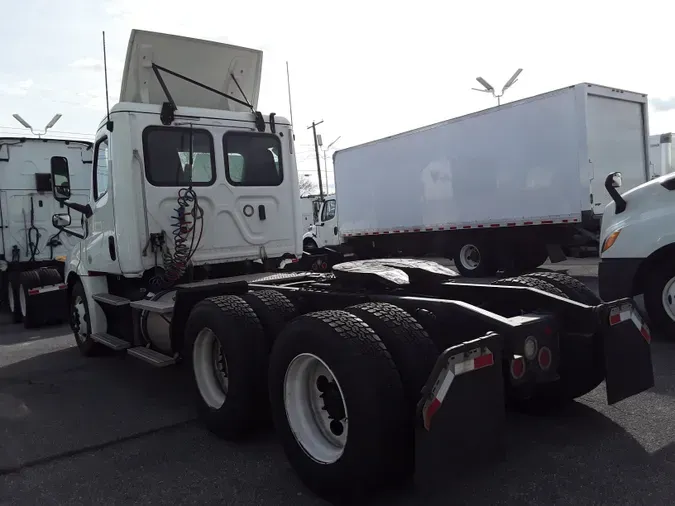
(368, 69)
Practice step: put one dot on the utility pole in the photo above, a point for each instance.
(318, 160)
(325, 163)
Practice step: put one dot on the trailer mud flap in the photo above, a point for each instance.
(462, 409)
(627, 349)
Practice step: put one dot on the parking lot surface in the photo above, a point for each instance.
(112, 430)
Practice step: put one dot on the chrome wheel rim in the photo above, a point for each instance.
(210, 368)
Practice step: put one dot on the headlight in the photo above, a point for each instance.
(3, 265)
(610, 240)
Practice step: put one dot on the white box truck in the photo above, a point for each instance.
(32, 249)
(502, 188)
(661, 154)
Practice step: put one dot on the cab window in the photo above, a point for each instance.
(328, 212)
(252, 159)
(101, 169)
(167, 152)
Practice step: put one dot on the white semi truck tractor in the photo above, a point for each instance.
(363, 371)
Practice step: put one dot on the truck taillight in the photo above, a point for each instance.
(544, 358)
(530, 348)
(517, 367)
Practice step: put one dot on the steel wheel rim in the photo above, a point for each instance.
(668, 298)
(210, 368)
(469, 256)
(22, 301)
(10, 297)
(308, 419)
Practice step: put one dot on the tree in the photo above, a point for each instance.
(306, 186)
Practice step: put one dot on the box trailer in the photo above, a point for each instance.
(661, 154)
(504, 186)
(32, 249)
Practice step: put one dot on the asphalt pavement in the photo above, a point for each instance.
(112, 430)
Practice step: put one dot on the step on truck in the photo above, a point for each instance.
(502, 189)
(32, 249)
(366, 372)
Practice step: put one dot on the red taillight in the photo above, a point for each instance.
(544, 358)
(517, 367)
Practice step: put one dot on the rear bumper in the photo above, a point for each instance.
(616, 277)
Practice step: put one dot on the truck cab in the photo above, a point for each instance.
(324, 233)
(638, 247)
(189, 182)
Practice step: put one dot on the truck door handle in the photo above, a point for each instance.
(261, 212)
(111, 248)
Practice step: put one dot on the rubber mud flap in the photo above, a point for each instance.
(627, 349)
(467, 428)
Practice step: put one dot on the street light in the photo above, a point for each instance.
(325, 165)
(488, 88)
(29, 127)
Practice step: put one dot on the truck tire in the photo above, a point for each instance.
(13, 297)
(659, 294)
(80, 323)
(412, 349)
(581, 367)
(530, 282)
(572, 287)
(228, 359)
(273, 309)
(474, 260)
(334, 360)
(49, 276)
(30, 306)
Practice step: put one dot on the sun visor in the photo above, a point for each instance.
(209, 63)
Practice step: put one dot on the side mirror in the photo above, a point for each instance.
(61, 220)
(616, 180)
(60, 178)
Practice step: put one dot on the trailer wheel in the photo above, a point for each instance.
(80, 322)
(29, 306)
(659, 294)
(412, 349)
(273, 309)
(226, 343)
(474, 260)
(568, 285)
(338, 404)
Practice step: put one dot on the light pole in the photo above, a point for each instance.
(29, 127)
(488, 88)
(325, 165)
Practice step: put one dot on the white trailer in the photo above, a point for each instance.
(502, 186)
(355, 368)
(30, 246)
(661, 159)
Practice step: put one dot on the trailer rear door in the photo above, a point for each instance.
(617, 141)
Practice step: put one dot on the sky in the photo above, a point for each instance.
(367, 69)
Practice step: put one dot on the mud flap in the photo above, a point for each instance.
(626, 342)
(462, 410)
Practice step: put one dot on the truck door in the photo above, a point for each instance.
(616, 142)
(102, 252)
(327, 233)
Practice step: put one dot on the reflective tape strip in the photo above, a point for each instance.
(629, 312)
(440, 228)
(48, 288)
(454, 368)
